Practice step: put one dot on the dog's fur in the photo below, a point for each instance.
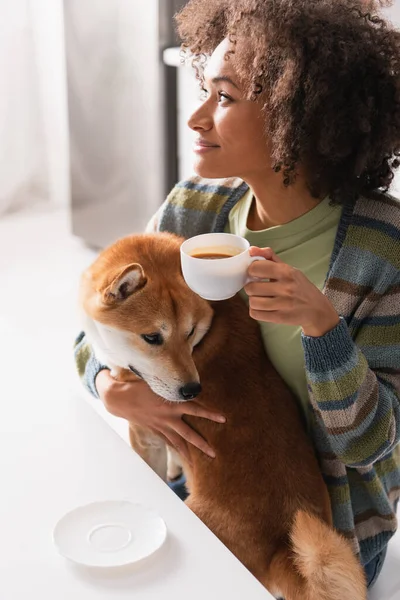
(263, 495)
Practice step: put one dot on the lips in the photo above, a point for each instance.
(204, 144)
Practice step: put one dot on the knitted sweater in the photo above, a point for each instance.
(353, 371)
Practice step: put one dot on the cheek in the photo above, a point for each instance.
(244, 140)
(255, 152)
(254, 142)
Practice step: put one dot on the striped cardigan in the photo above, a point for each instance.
(353, 371)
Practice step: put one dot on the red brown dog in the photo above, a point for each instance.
(263, 494)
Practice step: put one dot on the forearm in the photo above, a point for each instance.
(359, 407)
(87, 364)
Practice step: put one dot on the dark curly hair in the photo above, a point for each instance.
(329, 74)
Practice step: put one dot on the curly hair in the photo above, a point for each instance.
(329, 75)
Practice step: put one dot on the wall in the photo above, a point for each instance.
(394, 13)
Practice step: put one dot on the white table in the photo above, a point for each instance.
(57, 453)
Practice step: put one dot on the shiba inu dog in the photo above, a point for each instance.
(263, 495)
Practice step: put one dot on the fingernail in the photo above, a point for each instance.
(221, 420)
(211, 454)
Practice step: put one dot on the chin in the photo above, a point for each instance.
(211, 171)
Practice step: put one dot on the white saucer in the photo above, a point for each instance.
(109, 534)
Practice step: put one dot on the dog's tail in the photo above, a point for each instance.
(326, 561)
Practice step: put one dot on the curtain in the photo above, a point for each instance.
(33, 106)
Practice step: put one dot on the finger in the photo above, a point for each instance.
(268, 316)
(196, 410)
(178, 443)
(266, 269)
(267, 253)
(167, 439)
(263, 288)
(194, 438)
(265, 303)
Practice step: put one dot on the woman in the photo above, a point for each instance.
(302, 107)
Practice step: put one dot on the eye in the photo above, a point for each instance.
(192, 332)
(224, 97)
(153, 338)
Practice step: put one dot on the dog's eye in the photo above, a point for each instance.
(153, 338)
(192, 332)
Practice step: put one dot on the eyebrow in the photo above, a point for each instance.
(224, 78)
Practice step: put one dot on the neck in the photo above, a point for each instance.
(276, 204)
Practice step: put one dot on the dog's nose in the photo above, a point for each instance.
(190, 390)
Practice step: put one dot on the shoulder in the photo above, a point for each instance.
(374, 231)
(196, 205)
(379, 212)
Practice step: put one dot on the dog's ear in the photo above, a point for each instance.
(128, 280)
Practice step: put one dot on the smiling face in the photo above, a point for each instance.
(230, 128)
(140, 315)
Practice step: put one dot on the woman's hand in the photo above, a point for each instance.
(288, 297)
(136, 402)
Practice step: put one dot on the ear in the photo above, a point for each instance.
(127, 281)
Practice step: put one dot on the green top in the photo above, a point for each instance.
(305, 243)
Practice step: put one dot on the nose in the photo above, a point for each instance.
(190, 390)
(200, 120)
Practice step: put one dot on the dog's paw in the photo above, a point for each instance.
(174, 472)
(174, 466)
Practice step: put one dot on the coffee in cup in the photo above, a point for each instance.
(214, 265)
(211, 255)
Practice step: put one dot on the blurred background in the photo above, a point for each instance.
(91, 110)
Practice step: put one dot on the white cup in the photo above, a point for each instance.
(219, 278)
